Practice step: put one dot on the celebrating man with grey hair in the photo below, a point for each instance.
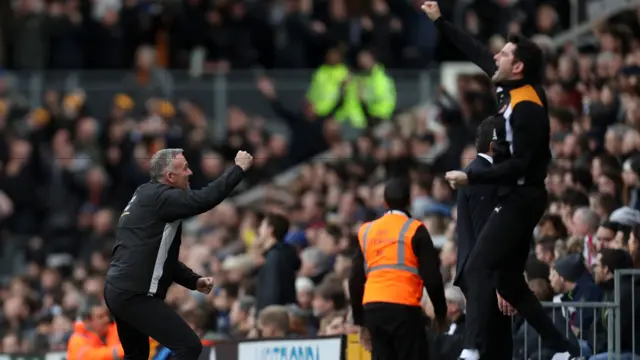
(145, 257)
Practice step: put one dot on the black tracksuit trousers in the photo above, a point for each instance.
(501, 253)
(398, 332)
(139, 317)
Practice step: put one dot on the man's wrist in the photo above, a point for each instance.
(470, 176)
(195, 282)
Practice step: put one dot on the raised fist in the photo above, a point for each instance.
(244, 160)
(432, 9)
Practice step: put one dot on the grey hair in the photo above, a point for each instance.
(605, 57)
(619, 130)
(161, 161)
(590, 217)
(316, 257)
(454, 295)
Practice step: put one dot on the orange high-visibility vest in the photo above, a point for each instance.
(390, 263)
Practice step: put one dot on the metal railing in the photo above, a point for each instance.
(607, 314)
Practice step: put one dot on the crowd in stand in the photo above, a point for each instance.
(104, 34)
(66, 173)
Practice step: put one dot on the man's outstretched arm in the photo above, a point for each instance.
(473, 49)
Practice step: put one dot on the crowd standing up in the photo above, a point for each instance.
(67, 172)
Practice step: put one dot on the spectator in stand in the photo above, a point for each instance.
(329, 298)
(606, 234)
(273, 322)
(608, 261)
(572, 282)
(277, 276)
(525, 336)
(545, 247)
(585, 224)
(308, 130)
(240, 316)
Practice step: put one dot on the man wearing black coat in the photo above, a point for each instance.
(475, 204)
(277, 277)
(503, 246)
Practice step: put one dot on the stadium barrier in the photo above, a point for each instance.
(322, 348)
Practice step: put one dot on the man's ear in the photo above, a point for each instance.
(491, 147)
(518, 67)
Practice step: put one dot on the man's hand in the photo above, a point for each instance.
(456, 178)
(365, 338)
(265, 85)
(440, 325)
(244, 160)
(505, 307)
(432, 9)
(204, 285)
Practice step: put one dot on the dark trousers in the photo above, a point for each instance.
(398, 332)
(496, 344)
(139, 317)
(499, 258)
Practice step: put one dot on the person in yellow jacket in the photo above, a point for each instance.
(95, 337)
(370, 94)
(325, 90)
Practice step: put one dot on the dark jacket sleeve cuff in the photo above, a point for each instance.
(471, 177)
(192, 282)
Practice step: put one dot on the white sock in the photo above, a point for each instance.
(470, 354)
(561, 356)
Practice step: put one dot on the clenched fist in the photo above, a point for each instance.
(456, 178)
(204, 285)
(432, 9)
(244, 160)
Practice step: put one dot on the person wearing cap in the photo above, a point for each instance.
(298, 239)
(570, 279)
(626, 216)
(394, 260)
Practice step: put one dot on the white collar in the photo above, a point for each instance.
(396, 212)
(486, 157)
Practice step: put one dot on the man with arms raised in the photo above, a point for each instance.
(503, 246)
(145, 258)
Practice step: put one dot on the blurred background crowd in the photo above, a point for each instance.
(68, 165)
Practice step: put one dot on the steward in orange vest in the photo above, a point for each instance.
(95, 338)
(395, 261)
